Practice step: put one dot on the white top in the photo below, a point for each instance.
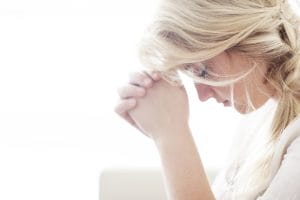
(281, 181)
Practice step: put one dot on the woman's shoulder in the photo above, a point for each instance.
(285, 168)
(290, 133)
(288, 142)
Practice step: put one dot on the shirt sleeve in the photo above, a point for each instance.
(286, 183)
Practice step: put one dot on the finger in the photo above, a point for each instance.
(129, 91)
(124, 105)
(141, 79)
(155, 76)
(132, 122)
(129, 119)
(122, 109)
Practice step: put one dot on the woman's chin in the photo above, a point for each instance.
(243, 109)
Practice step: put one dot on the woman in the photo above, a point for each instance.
(242, 53)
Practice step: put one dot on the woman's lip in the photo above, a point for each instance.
(226, 103)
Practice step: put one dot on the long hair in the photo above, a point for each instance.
(267, 31)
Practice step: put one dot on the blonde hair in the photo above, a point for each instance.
(193, 31)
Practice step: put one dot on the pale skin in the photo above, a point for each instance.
(161, 112)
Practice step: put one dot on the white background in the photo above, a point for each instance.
(60, 64)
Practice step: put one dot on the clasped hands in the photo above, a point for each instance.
(152, 105)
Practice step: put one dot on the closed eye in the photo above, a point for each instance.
(198, 70)
(203, 73)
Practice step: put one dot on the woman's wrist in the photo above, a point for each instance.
(183, 170)
(172, 135)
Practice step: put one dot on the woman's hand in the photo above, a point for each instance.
(139, 83)
(163, 112)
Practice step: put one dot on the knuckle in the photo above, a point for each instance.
(124, 106)
(118, 107)
(119, 90)
(117, 110)
(137, 77)
(125, 91)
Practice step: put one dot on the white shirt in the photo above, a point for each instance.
(283, 179)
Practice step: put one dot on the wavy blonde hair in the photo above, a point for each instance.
(193, 31)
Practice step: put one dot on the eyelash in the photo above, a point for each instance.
(200, 72)
(203, 73)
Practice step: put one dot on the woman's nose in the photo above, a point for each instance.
(204, 91)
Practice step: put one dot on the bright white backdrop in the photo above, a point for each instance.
(60, 64)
